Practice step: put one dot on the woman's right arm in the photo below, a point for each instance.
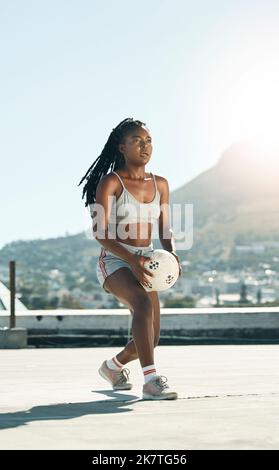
(105, 193)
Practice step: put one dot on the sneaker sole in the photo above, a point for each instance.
(128, 387)
(146, 396)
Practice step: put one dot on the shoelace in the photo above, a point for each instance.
(161, 383)
(123, 376)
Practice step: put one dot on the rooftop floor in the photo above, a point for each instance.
(55, 399)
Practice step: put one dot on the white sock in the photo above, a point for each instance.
(114, 364)
(149, 372)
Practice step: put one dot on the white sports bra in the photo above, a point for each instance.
(127, 209)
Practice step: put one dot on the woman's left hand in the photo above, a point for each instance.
(178, 260)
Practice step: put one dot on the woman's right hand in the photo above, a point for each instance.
(137, 266)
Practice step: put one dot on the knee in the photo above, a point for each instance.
(142, 306)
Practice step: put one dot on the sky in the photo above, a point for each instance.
(200, 74)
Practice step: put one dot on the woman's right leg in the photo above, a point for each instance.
(124, 285)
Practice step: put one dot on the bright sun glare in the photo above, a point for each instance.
(242, 99)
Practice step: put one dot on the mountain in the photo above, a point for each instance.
(235, 200)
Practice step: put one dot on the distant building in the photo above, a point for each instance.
(5, 299)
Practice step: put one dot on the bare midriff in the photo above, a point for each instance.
(140, 234)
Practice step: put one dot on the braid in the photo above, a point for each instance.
(110, 157)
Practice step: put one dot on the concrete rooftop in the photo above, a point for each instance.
(55, 399)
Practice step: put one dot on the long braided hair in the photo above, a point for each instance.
(110, 157)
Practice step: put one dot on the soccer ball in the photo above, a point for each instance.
(165, 268)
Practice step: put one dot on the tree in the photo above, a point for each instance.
(259, 296)
(243, 293)
(217, 294)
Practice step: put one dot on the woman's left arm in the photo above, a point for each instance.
(165, 231)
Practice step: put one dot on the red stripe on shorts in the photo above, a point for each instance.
(102, 263)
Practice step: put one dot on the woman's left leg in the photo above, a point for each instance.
(129, 353)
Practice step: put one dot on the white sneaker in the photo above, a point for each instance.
(118, 379)
(157, 389)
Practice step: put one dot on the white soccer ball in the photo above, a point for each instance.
(165, 268)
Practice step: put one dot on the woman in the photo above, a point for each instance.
(120, 268)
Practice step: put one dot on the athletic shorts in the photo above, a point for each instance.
(108, 263)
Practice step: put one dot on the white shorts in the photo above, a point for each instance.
(108, 263)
